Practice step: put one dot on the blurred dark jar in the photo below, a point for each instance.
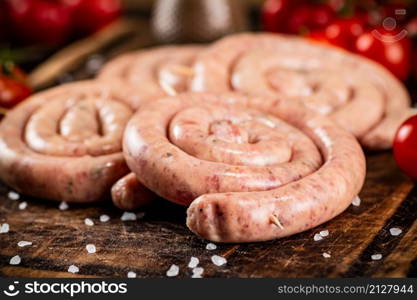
(184, 21)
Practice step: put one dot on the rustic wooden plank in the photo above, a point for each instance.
(150, 245)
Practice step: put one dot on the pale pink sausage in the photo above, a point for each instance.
(359, 94)
(129, 194)
(140, 76)
(213, 151)
(64, 144)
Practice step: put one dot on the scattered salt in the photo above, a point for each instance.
(317, 237)
(91, 248)
(128, 216)
(173, 271)
(15, 260)
(324, 233)
(23, 205)
(24, 243)
(395, 231)
(356, 201)
(4, 228)
(73, 269)
(326, 255)
(104, 218)
(131, 275)
(63, 205)
(218, 260)
(211, 246)
(88, 222)
(13, 195)
(376, 256)
(194, 261)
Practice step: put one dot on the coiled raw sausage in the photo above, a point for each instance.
(252, 168)
(64, 144)
(359, 94)
(140, 76)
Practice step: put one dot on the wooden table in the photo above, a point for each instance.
(150, 245)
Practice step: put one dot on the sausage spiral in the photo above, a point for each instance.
(252, 168)
(64, 144)
(142, 75)
(360, 95)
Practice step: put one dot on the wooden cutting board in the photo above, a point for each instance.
(150, 245)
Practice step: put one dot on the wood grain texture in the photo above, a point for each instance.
(151, 244)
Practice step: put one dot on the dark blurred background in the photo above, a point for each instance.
(44, 42)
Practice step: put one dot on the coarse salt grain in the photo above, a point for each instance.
(324, 233)
(104, 218)
(24, 243)
(131, 275)
(211, 246)
(13, 195)
(91, 248)
(196, 276)
(376, 256)
(173, 271)
(194, 261)
(128, 216)
(356, 201)
(73, 269)
(317, 237)
(15, 260)
(4, 228)
(23, 205)
(63, 205)
(218, 260)
(395, 231)
(326, 255)
(198, 271)
(88, 222)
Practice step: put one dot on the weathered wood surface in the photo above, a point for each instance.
(150, 245)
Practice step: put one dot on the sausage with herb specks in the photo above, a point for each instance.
(251, 168)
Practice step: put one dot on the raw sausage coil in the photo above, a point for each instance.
(64, 144)
(140, 76)
(357, 93)
(250, 168)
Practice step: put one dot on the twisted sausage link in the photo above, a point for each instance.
(252, 168)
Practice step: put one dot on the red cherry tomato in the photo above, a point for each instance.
(299, 19)
(405, 147)
(388, 49)
(342, 33)
(91, 15)
(12, 91)
(43, 22)
(13, 88)
(275, 14)
(321, 15)
(310, 17)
